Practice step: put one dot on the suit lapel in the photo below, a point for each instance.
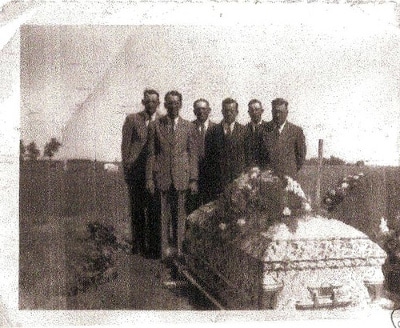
(142, 128)
(165, 130)
(285, 133)
(235, 132)
(179, 129)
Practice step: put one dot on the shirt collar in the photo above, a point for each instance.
(281, 127)
(254, 125)
(225, 125)
(206, 124)
(176, 120)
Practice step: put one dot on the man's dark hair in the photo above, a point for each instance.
(279, 101)
(173, 93)
(150, 92)
(199, 100)
(227, 101)
(254, 101)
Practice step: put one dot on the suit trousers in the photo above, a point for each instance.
(173, 217)
(144, 220)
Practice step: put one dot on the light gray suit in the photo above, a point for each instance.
(172, 164)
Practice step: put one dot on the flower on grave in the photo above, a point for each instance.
(241, 222)
(287, 211)
(336, 195)
(222, 226)
(306, 207)
(254, 173)
(294, 187)
(383, 228)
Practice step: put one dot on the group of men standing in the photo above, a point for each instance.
(173, 166)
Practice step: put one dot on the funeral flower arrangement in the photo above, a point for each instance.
(336, 195)
(257, 199)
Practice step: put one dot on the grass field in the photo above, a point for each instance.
(54, 202)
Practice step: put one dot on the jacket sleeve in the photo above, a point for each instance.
(193, 153)
(263, 156)
(150, 151)
(127, 130)
(301, 149)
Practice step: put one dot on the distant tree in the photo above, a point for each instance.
(51, 148)
(335, 161)
(360, 163)
(22, 150)
(312, 161)
(325, 161)
(33, 151)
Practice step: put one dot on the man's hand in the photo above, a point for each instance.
(150, 186)
(194, 189)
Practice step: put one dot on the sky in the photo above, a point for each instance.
(339, 71)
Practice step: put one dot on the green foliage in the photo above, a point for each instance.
(22, 150)
(33, 151)
(51, 148)
(326, 161)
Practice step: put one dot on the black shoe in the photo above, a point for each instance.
(152, 255)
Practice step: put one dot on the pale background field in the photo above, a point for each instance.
(364, 17)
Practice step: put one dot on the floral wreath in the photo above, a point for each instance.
(257, 198)
(336, 195)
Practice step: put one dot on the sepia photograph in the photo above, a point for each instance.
(200, 162)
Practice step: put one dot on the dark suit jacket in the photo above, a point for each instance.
(133, 147)
(225, 157)
(253, 142)
(285, 154)
(203, 181)
(172, 157)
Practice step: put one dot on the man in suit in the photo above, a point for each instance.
(283, 143)
(225, 149)
(201, 108)
(144, 217)
(253, 133)
(171, 170)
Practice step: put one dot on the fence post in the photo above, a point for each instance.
(319, 173)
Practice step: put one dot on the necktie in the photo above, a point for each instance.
(173, 126)
(277, 132)
(202, 128)
(228, 130)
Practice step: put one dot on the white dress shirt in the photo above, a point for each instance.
(226, 127)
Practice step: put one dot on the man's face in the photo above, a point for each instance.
(255, 112)
(279, 114)
(229, 112)
(201, 110)
(173, 105)
(150, 103)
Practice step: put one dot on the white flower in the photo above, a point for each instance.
(287, 211)
(306, 207)
(253, 175)
(241, 222)
(356, 177)
(332, 192)
(255, 170)
(328, 201)
(383, 226)
(222, 226)
(344, 185)
(361, 174)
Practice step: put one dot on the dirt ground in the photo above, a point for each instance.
(138, 286)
